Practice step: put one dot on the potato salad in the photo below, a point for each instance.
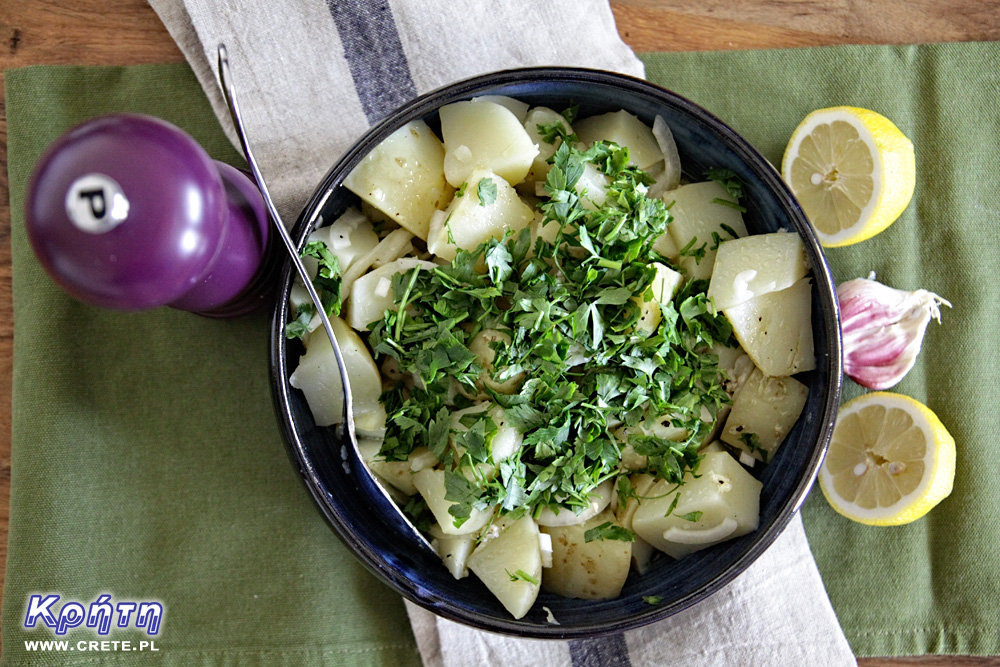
(566, 359)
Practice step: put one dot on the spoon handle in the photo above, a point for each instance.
(229, 91)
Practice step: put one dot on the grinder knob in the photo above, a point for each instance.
(129, 212)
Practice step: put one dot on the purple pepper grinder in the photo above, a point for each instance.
(129, 212)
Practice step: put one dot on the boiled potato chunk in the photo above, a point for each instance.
(349, 238)
(642, 551)
(764, 411)
(661, 292)
(624, 129)
(592, 187)
(594, 570)
(484, 135)
(431, 486)
(543, 116)
(505, 442)
(371, 294)
(641, 484)
(735, 363)
(755, 265)
(664, 244)
(468, 221)
(721, 503)
(642, 555)
(510, 565)
(516, 107)
(736, 366)
(399, 474)
(318, 377)
(454, 550)
(545, 229)
(775, 329)
(403, 177)
(508, 440)
(697, 214)
(600, 498)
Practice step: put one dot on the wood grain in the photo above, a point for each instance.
(127, 32)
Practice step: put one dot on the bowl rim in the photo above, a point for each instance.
(420, 107)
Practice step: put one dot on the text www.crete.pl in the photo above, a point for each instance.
(89, 645)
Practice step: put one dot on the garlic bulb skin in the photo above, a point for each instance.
(883, 329)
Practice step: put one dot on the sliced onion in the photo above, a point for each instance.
(391, 248)
(671, 177)
(701, 536)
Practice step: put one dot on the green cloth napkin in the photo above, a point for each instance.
(147, 462)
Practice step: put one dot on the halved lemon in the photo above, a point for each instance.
(890, 461)
(852, 170)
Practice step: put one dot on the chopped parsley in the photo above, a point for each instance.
(730, 204)
(752, 441)
(486, 191)
(673, 504)
(570, 113)
(728, 179)
(652, 599)
(327, 284)
(521, 575)
(299, 327)
(553, 132)
(571, 367)
(608, 531)
(694, 250)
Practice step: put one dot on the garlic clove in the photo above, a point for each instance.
(883, 329)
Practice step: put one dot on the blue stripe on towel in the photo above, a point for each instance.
(374, 54)
(610, 651)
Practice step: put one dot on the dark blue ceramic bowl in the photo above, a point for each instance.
(703, 141)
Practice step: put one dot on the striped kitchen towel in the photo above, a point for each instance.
(313, 75)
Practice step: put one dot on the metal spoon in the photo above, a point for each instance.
(382, 499)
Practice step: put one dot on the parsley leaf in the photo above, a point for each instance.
(486, 191)
(553, 132)
(673, 504)
(570, 113)
(462, 493)
(752, 441)
(521, 575)
(327, 285)
(299, 327)
(730, 204)
(728, 179)
(608, 531)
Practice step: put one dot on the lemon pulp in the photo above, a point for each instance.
(852, 170)
(890, 460)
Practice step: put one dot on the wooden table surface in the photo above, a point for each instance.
(126, 32)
